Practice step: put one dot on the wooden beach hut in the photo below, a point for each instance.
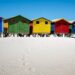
(18, 25)
(41, 26)
(61, 26)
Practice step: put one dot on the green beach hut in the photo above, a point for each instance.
(18, 25)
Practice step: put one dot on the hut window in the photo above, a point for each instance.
(13, 21)
(46, 22)
(37, 22)
(23, 21)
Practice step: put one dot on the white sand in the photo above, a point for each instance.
(37, 56)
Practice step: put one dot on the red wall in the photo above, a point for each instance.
(62, 27)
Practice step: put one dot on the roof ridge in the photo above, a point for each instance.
(18, 16)
(40, 18)
(56, 20)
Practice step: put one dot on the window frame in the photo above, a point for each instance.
(46, 22)
(37, 22)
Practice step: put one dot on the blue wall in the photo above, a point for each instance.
(1, 25)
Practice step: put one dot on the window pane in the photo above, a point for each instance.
(46, 22)
(37, 22)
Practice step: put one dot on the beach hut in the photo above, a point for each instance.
(18, 25)
(41, 26)
(52, 27)
(5, 27)
(73, 27)
(61, 26)
(1, 26)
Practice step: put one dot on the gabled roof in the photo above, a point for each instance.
(18, 18)
(41, 18)
(72, 22)
(1, 18)
(57, 20)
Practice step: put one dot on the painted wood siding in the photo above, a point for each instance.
(41, 28)
(1, 26)
(18, 28)
(5, 25)
(52, 27)
(13, 28)
(73, 28)
(62, 27)
(23, 27)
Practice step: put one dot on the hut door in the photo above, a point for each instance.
(31, 29)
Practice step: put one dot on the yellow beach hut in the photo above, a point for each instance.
(41, 26)
(5, 26)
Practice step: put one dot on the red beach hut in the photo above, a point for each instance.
(61, 26)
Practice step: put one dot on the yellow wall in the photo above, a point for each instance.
(6, 25)
(41, 27)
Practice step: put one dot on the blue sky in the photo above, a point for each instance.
(50, 9)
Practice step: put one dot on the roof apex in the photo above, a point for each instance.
(17, 16)
(56, 20)
(41, 18)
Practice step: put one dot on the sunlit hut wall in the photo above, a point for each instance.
(41, 26)
(5, 26)
(18, 24)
